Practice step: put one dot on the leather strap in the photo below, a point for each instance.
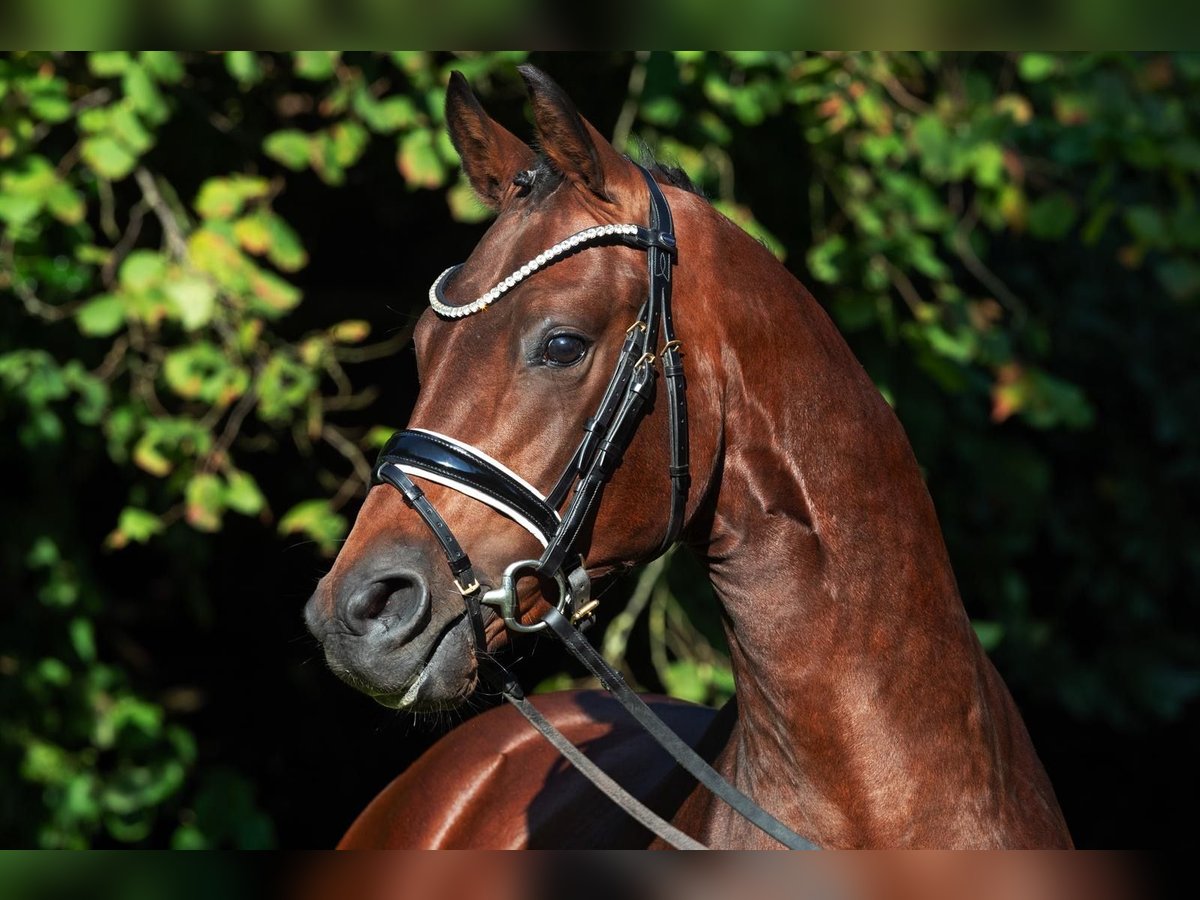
(579, 647)
(510, 689)
(661, 259)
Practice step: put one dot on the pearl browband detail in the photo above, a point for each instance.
(437, 297)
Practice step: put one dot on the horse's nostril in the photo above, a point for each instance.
(398, 601)
(391, 597)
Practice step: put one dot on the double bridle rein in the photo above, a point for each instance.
(418, 453)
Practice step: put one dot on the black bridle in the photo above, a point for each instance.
(607, 435)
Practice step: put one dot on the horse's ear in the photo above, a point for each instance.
(491, 154)
(577, 149)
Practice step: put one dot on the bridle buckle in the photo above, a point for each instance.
(468, 589)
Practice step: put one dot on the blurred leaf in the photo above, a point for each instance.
(315, 65)
(352, 331)
(1052, 216)
(289, 147)
(108, 64)
(1037, 66)
(205, 502)
(418, 160)
(315, 520)
(109, 158)
(243, 65)
(142, 270)
(101, 316)
(194, 300)
(136, 526)
(242, 494)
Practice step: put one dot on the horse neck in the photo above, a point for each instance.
(866, 709)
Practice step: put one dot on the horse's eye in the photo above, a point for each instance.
(564, 350)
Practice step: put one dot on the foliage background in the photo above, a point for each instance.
(209, 266)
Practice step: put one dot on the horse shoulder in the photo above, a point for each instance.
(494, 782)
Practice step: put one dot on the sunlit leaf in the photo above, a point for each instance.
(108, 157)
(418, 161)
(101, 316)
(205, 502)
(289, 147)
(194, 300)
(315, 520)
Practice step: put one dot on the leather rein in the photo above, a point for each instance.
(427, 455)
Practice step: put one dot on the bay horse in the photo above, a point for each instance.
(866, 713)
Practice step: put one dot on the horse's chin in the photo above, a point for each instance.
(445, 679)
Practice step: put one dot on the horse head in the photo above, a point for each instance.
(517, 351)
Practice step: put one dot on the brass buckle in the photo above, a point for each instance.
(639, 325)
(669, 346)
(585, 611)
(469, 589)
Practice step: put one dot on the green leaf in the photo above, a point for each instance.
(66, 204)
(349, 141)
(824, 259)
(144, 94)
(290, 148)
(682, 679)
(194, 300)
(351, 331)
(317, 521)
(101, 316)
(990, 634)
(107, 157)
(284, 250)
(387, 115)
(108, 64)
(147, 455)
(83, 638)
(18, 209)
(125, 126)
(164, 65)
(205, 501)
(1037, 66)
(218, 199)
(1147, 224)
(283, 386)
(223, 198)
(135, 525)
(202, 371)
(141, 271)
(1052, 216)
(243, 65)
(314, 65)
(272, 294)
(50, 107)
(242, 494)
(418, 160)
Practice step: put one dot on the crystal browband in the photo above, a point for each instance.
(632, 234)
